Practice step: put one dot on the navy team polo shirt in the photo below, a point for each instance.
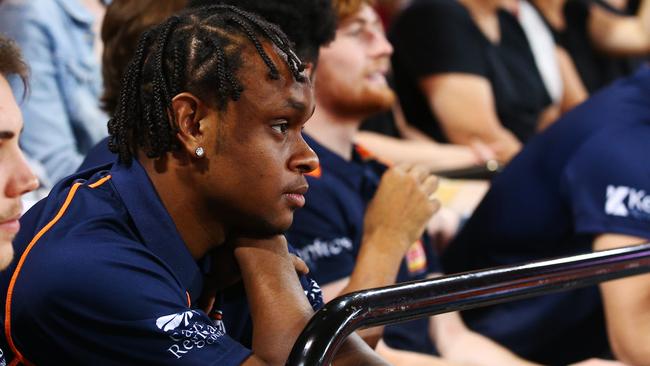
(327, 233)
(588, 174)
(102, 277)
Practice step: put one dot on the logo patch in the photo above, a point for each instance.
(314, 294)
(319, 249)
(624, 201)
(416, 258)
(188, 332)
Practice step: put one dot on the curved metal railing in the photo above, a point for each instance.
(329, 327)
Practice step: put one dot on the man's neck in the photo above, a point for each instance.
(553, 11)
(181, 202)
(480, 8)
(485, 15)
(333, 131)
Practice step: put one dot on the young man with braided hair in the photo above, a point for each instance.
(309, 24)
(211, 165)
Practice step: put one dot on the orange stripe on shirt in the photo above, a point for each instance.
(316, 173)
(14, 277)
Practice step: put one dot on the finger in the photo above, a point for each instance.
(419, 172)
(482, 151)
(430, 185)
(435, 204)
(299, 265)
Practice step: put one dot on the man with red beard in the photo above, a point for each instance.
(362, 223)
(16, 178)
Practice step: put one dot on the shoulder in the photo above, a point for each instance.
(111, 275)
(607, 182)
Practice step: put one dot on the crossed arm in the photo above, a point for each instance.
(627, 307)
(274, 292)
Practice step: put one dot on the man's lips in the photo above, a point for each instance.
(296, 196)
(11, 226)
(377, 77)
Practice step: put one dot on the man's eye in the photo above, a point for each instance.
(355, 32)
(281, 127)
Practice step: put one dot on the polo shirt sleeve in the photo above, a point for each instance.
(321, 235)
(606, 183)
(438, 36)
(112, 303)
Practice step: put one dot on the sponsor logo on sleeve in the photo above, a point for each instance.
(624, 201)
(416, 259)
(320, 249)
(314, 294)
(189, 332)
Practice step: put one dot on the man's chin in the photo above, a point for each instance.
(6, 253)
(367, 103)
(267, 228)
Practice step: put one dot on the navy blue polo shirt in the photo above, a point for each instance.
(327, 232)
(102, 277)
(588, 174)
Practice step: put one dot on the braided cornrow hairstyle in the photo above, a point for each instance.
(198, 51)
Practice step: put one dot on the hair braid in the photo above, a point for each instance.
(123, 125)
(194, 52)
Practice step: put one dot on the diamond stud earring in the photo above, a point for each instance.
(199, 152)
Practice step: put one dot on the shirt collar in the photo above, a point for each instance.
(362, 173)
(77, 11)
(155, 225)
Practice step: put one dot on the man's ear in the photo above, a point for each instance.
(189, 112)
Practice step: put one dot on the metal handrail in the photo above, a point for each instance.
(329, 327)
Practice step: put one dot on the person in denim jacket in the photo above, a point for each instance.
(63, 119)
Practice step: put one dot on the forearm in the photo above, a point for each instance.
(454, 339)
(274, 293)
(405, 358)
(430, 154)
(627, 307)
(501, 141)
(618, 34)
(628, 325)
(354, 352)
(375, 268)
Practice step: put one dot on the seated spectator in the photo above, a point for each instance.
(464, 71)
(597, 36)
(362, 221)
(126, 245)
(16, 178)
(62, 114)
(579, 185)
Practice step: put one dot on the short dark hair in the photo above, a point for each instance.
(12, 62)
(124, 22)
(199, 51)
(309, 24)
